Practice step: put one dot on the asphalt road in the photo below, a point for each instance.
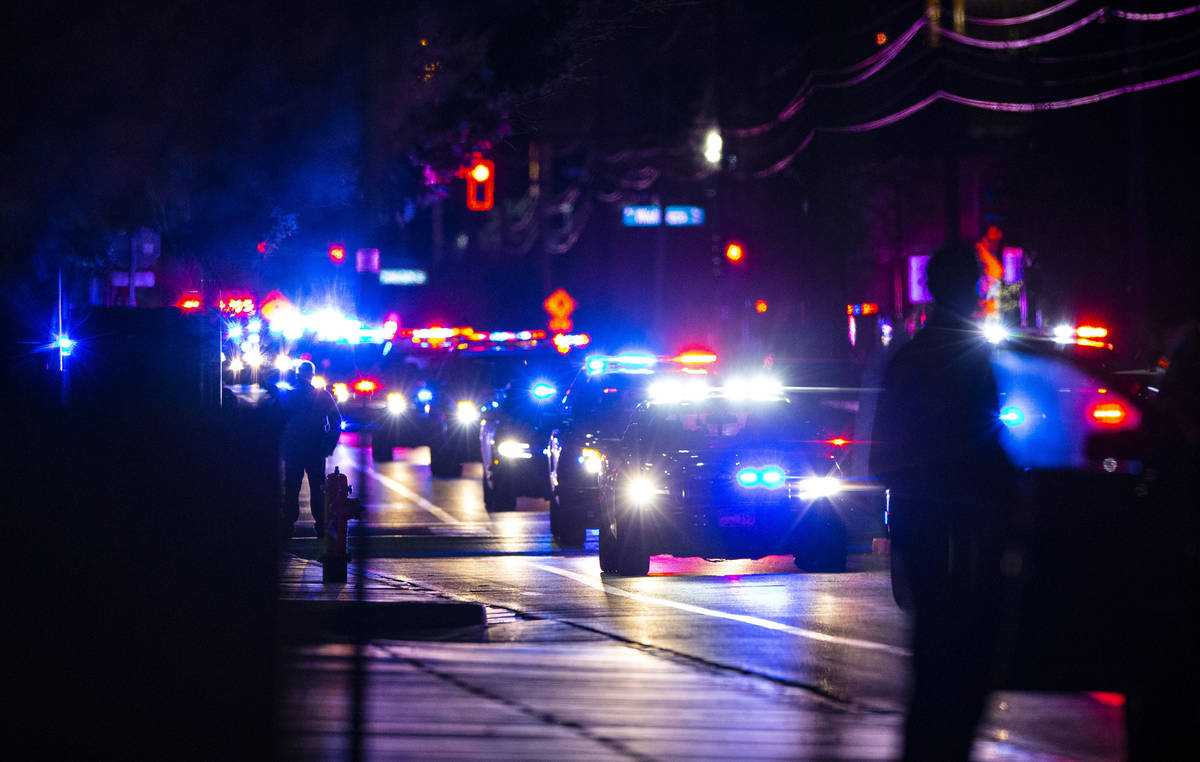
(836, 637)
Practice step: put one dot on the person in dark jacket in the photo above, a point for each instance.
(937, 448)
(310, 434)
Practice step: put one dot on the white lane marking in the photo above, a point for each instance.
(395, 486)
(767, 624)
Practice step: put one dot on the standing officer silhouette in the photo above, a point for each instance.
(938, 451)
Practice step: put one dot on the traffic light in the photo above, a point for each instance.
(337, 253)
(734, 252)
(481, 175)
(760, 306)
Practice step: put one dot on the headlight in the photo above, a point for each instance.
(590, 460)
(767, 476)
(466, 412)
(542, 391)
(318, 382)
(236, 365)
(424, 395)
(396, 403)
(994, 332)
(771, 476)
(513, 449)
(341, 392)
(818, 486)
(253, 358)
(283, 362)
(643, 492)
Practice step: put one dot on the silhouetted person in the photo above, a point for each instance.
(938, 451)
(310, 435)
(1162, 620)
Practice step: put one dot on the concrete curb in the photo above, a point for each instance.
(311, 609)
(365, 620)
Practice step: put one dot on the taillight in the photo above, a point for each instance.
(1109, 413)
(364, 386)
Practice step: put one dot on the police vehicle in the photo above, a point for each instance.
(513, 432)
(476, 370)
(596, 408)
(741, 472)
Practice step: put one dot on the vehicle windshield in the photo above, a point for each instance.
(488, 372)
(718, 423)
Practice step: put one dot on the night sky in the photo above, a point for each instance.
(296, 125)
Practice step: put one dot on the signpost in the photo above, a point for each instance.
(402, 277)
(560, 305)
(654, 216)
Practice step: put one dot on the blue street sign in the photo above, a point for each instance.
(641, 216)
(677, 216)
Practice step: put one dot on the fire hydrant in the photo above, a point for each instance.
(339, 509)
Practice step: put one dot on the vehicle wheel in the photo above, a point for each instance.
(822, 544)
(442, 465)
(497, 497)
(608, 549)
(901, 588)
(566, 525)
(381, 448)
(633, 559)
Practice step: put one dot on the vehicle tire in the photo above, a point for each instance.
(633, 559)
(442, 465)
(901, 587)
(498, 497)
(566, 526)
(608, 549)
(822, 544)
(381, 447)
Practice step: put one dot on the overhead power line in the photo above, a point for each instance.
(1015, 20)
(979, 103)
(863, 70)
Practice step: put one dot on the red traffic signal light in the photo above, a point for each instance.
(481, 185)
(337, 253)
(760, 306)
(734, 252)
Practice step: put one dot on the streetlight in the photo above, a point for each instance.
(712, 146)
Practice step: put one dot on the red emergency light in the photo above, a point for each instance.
(1109, 413)
(696, 357)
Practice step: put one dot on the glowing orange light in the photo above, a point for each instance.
(870, 308)
(760, 306)
(734, 252)
(1090, 343)
(481, 173)
(364, 385)
(337, 254)
(837, 442)
(1091, 332)
(880, 38)
(1109, 413)
(697, 358)
(190, 304)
